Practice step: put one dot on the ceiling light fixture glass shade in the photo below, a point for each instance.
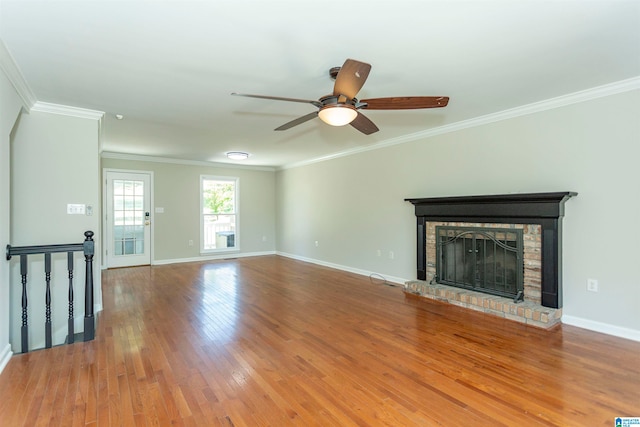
(237, 155)
(338, 115)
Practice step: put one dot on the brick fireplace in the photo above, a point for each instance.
(537, 215)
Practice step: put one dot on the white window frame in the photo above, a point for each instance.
(236, 183)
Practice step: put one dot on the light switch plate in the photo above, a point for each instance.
(75, 209)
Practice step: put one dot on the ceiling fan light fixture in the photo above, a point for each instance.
(237, 155)
(338, 115)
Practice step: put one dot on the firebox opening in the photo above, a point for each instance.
(489, 260)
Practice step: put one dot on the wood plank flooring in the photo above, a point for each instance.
(270, 341)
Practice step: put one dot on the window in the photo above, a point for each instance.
(128, 217)
(219, 222)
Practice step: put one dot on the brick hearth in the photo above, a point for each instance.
(524, 312)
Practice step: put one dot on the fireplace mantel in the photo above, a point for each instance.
(546, 209)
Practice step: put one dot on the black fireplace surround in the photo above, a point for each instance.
(546, 209)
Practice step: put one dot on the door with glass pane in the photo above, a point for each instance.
(128, 219)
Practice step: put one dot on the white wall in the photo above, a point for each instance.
(10, 106)
(177, 191)
(54, 161)
(353, 205)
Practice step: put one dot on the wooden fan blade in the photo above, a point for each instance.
(351, 78)
(298, 121)
(279, 98)
(405, 102)
(364, 125)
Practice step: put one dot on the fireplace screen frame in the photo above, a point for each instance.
(464, 254)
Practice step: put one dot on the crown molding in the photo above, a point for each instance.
(29, 100)
(155, 159)
(13, 73)
(65, 110)
(536, 107)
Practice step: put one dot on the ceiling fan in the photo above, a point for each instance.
(342, 107)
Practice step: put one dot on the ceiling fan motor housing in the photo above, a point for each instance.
(336, 99)
(333, 72)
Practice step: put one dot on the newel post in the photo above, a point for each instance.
(89, 321)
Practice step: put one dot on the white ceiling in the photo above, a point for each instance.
(169, 66)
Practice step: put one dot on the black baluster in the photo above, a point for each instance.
(24, 330)
(89, 322)
(70, 321)
(47, 313)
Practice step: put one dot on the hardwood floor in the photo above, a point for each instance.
(270, 341)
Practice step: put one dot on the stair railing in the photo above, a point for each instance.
(88, 248)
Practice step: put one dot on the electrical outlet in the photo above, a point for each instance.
(379, 252)
(391, 255)
(317, 244)
(592, 285)
(190, 242)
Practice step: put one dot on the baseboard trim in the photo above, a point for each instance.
(226, 255)
(5, 356)
(605, 328)
(372, 274)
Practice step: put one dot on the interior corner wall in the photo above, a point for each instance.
(54, 162)
(10, 107)
(354, 206)
(176, 189)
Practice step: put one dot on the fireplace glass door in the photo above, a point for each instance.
(484, 259)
